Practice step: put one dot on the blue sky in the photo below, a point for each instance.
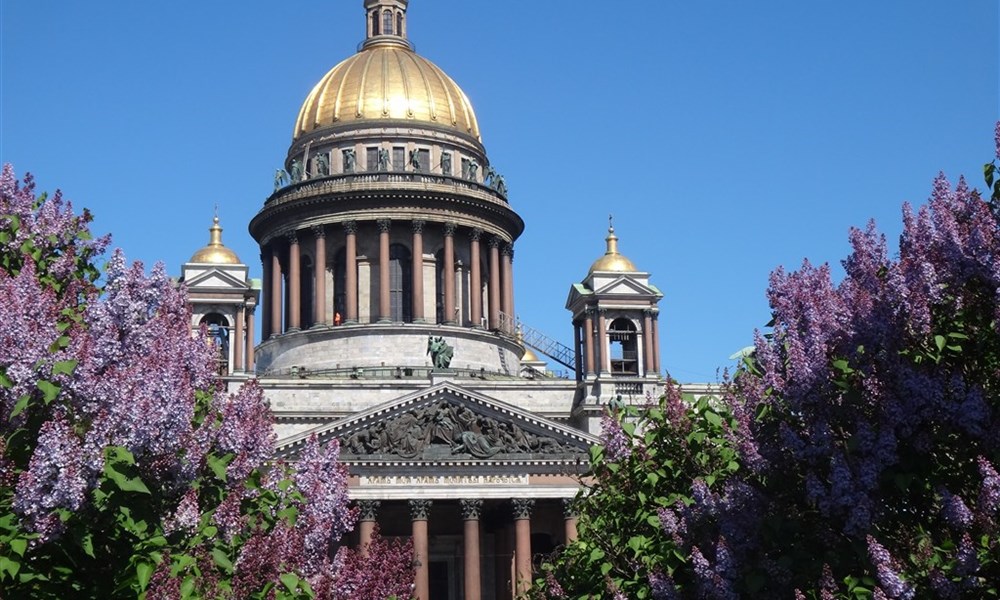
(727, 137)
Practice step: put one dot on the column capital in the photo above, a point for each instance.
(494, 241)
(250, 308)
(522, 507)
(350, 227)
(384, 225)
(571, 508)
(508, 250)
(602, 311)
(449, 228)
(472, 509)
(319, 231)
(292, 237)
(418, 225)
(368, 510)
(420, 510)
(475, 234)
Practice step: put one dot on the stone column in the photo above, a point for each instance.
(588, 333)
(476, 279)
(570, 516)
(647, 339)
(367, 521)
(319, 272)
(237, 364)
(602, 339)
(420, 511)
(384, 306)
(522, 544)
(494, 291)
(507, 287)
(265, 261)
(294, 284)
(351, 275)
(656, 341)
(418, 272)
(250, 358)
(578, 351)
(471, 511)
(448, 273)
(276, 298)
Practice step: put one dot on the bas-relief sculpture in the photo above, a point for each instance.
(446, 430)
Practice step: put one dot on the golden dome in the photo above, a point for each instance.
(612, 260)
(529, 355)
(215, 253)
(386, 80)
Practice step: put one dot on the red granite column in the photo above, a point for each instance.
(588, 333)
(250, 358)
(494, 291)
(522, 544)
(418, 272)
(476, 279)
(265, 261)
(578, 350)
(602, 338)
(656, 341)
(294, 284)
(384, 305)
(351, 266)
(419, 513)
(507, 287)
(448, 273)
(367, 521)
(570, 516)
(471, 510)
(319, 272)
(237, 365)
(276, 297)
(647, 339)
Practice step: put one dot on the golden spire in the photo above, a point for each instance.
(215, 252)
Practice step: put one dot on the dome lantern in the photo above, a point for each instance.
(386, 22)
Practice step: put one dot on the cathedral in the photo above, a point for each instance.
(388, 322)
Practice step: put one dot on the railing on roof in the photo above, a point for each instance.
(558, 352)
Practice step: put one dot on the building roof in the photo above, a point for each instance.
(215, 252)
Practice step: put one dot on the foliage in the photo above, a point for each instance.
(376, 574)
(124, 471)
(866, 426)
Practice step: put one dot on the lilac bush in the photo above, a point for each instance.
(126, 471)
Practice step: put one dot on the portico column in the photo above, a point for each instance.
(351, 273)
(319, 272)
(367, 520)
(384, 306)
(647, 338)
(471, 510)
(418, 272)
(507, 299)
(522, 544)
(276, 309)
(656, 341)
(237, 364)
(494, 291)
(602, 339)
(265, 262)
(294, 284)
(250, 358)
(420, 511)
(570, 517)
(588, 333)
(578, 351)
(476, 279)
(448, 273)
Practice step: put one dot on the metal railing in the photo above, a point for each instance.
(558, 352)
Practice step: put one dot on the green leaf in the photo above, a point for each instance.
(50, 391)
(5, 381)
(64, 367)
(87, 543)
(22, 403)
(8, 567)
(218, 464)
(939, 341)
(713, 418)
(291, 581)
(143, 571)
(222, 560)
(124, 482)
(19, 545)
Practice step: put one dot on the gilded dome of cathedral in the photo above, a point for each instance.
(386, 80)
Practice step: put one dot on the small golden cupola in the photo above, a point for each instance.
(612, 261)
(215, 252)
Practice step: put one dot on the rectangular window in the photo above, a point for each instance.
(398, 158)
(371, 159)
(421, 160)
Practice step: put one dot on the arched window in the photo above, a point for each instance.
(218, 334)
(624, 347)
(399, 23)
(387, 22)
(374, 22)
(400, 284)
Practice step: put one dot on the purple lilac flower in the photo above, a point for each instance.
(616, 444)
(989, 490)
(710, 584)
(555, 590)
(968, 561)
(54, 479)
(662, 586)
(186, 516)
(955, 512)
(246, 430)
(895, 587)
(325, 516)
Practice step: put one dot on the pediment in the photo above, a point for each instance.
(215, 278)
(626, 286)
(448, 424)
